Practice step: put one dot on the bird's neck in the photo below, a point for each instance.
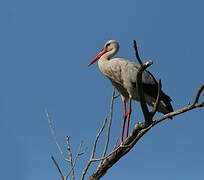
(103, 62)
(108, 55)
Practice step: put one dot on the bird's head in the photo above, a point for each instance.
(110, 47)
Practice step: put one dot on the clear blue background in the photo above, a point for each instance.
(45, 46)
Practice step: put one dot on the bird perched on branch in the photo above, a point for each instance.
(123, 75)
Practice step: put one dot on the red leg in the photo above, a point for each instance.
(124, 120)
(128, 114)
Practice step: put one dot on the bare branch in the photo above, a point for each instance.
(58, 168)
(148, 115)
(143, 104)
(109, 125)
(69, 150)
(80, 152)
(180, 111)
(52, 129)
(70, 160)
(136, 52)
(97, 137)
(198, 94)
(93, 150)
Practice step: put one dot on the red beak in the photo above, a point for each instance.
(103, 51)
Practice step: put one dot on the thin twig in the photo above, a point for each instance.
(136, 52)
(69, 150)
(58, 168)
(97, 138)
(93, 150)
(80, 152)
(109, 126)
(52, 129)
(198, 94)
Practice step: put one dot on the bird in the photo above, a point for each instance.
(123, 74)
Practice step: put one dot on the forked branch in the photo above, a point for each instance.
(147, 114)
(58, 168)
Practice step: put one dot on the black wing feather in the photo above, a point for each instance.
(152, 90)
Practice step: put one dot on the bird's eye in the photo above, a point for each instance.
(107, 45)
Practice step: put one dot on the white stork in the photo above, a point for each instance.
(122, 73)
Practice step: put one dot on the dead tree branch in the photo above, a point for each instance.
(58, 168)
(145, 110)
(69, 150)
(80, 152)
(137, 52)
(198, 94)
(147, 114)
(52, 129)
(109, 126)
(93, 150)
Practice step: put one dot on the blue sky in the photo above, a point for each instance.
(44, 50)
